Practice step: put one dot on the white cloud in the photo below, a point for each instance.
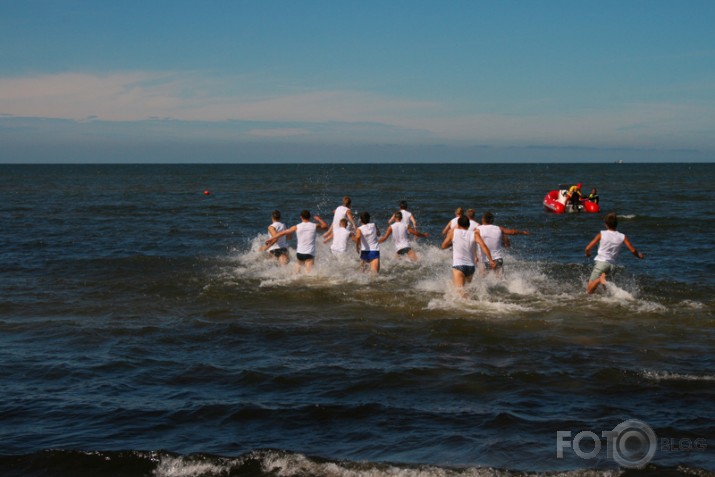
(136, 96)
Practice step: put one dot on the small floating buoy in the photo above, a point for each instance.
(206, 192)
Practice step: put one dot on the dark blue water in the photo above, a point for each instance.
(143, 333)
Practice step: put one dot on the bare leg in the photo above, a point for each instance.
(309, 265)
(375, 266)
(593, 285)
(412, 255)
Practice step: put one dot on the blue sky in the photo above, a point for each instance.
(255, 81)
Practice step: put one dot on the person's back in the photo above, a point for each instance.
(492, 236)
(305, 236)
(282, 241)
(368, 237)
(463, 247)
(400, 235)
(610, 246)
(341, 237)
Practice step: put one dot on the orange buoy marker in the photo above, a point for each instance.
(206, 192)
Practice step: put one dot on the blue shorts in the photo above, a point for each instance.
(467, 270)
(302, 257)
(277, 252)
(369, 255)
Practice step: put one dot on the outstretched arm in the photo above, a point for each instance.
(392, 219)
(414, 232)
(278, 235)
(593, 243)
(506, 231)
(632, 249)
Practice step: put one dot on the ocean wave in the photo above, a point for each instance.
(654, 375)
(274, 463)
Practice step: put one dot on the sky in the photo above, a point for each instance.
(357, 81)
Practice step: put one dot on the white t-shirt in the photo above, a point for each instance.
(305, 235)
(453, 223)
(281, 242)
(406, 217)
(340, 214)
(463, 247)
(473, 224)
(610, 246)
(492, 236)
(341, 238)
(368, 238)
(400, 236)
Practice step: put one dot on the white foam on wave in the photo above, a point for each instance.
(427, 283)
(654, 375)
(183, 467)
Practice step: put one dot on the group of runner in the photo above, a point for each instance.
(473, 243)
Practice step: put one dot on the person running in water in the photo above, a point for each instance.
(464, 253)
(609, 243)
(305, 233)
(399, 232)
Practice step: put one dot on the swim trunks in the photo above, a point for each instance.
(369, 255)
(404, 251)
(302, 257)
(277, 252)
(467, 270)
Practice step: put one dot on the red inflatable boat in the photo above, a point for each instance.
(555, 201)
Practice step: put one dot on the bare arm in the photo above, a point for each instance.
(278, 235)
(387, 235)
(506, 231)
(632, 249)
(448, 239)
(349, 215)
(593, 243)
(447, 228)
(321, 223)
(414, 232)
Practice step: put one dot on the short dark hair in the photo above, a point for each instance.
(488, 217)
(403, 204)
(365, 217)
(276, 214)
(398, 215)
(305, 214)
(463, 221)
(611, 220)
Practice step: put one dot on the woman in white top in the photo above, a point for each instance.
(366, 237)
(305, 236)
(399, 231)
(610, 245)
(464, 252)
(341, 212)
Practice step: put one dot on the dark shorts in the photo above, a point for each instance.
(302, 257)
(498, 262)
(404, 251)
(467, 270)
(369, 255)
(279, 252)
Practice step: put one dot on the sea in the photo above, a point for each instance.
(144, 333)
